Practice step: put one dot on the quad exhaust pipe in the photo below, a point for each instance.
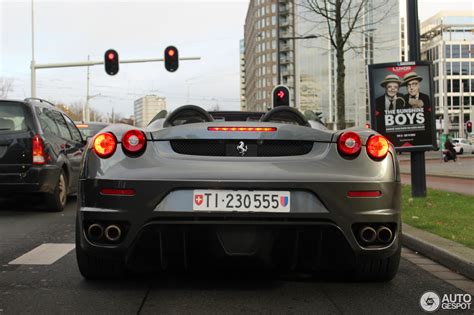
(96, 232)
(384, 234)
(113, 233)
(368, 235)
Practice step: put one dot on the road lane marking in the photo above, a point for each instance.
(45, 254)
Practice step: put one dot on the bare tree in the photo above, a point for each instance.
(342, 19)
(74, 111)
(6, 85)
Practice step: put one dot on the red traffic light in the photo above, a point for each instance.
(111, 62)
(280, 96)
(469, 126)
(171, 58)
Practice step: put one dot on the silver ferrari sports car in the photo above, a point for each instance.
(197, 189)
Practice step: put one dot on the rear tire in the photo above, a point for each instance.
(461, 151)
(94, 267)
(377, 269)
(56, 201)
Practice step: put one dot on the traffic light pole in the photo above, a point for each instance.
(86, 64)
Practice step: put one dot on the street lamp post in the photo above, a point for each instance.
(32, 65)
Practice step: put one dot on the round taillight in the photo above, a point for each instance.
(104, 144)
(134, 141)
(349, 143)
(377, 147)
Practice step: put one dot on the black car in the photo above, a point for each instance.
(40, 151)
(90, 129)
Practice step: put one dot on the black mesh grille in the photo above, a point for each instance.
(229, 147)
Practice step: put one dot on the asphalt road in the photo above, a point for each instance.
(59, 288)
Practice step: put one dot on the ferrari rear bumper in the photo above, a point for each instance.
(323, 222)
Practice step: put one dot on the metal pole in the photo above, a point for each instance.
(461, 112)
(445, 96)
(86, 104)
(418, 171)
(33, 68)
(278, 42)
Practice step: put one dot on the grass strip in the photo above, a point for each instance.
(449, 215)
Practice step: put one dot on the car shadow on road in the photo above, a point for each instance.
(26, 203)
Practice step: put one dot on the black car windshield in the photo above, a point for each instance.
(89, 130)
(13, 117)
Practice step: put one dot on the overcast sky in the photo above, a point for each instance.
(70, 30)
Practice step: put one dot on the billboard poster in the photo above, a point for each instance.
(401, 104)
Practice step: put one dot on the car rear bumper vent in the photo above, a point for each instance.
(255, 148)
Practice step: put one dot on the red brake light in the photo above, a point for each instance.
(117, 192)
(349, 143)
(104, 144)
(257, 129)
(364, 194)
(38, 151)
(377, 147)
(134, 141)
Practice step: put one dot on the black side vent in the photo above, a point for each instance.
(260, 148)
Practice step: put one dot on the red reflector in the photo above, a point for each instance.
(349, 143)
(117, 192)
(134, 141)
(369, 193)
(257, 129)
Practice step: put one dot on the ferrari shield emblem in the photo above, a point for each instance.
(198, 199)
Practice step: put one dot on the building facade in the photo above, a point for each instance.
(268, 26)
(448, 41)
(243, 103)
(146, 108)
(377, 39)
(277, 28)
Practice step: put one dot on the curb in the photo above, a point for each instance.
(444, 176)
(455, 256)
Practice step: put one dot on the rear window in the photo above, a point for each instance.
(13, 117)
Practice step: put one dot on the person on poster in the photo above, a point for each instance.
(414, 98)
(391, 99)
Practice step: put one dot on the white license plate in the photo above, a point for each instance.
(241, 200)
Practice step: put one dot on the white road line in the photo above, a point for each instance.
(45, 254)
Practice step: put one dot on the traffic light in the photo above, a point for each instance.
(171, 58)
(469, 126)
(280, 96)
(111, 61)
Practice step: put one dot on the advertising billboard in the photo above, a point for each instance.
(401, 104)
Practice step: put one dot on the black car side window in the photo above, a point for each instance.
(76, 134)
(47, 122)
(63, 130)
